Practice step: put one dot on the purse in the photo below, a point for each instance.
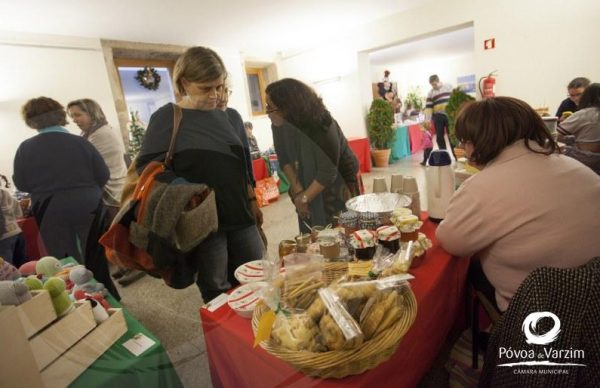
(137, 238)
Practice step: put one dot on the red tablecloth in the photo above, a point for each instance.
(260, 170)
(439, 289)
(416, 137)
(35, 247)
(362, 150)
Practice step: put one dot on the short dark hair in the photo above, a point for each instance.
(579, 82)
(434, 77)
(590, 97)
(495, 123)
(43, 112)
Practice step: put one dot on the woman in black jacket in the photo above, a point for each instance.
(313, 152)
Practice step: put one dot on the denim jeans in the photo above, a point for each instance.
(219, 255)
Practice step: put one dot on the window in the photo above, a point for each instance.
(256, 77)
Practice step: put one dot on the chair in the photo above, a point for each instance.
(573, 295)
(476, 298)
(590, 159)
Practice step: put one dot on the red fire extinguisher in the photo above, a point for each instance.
(489, 83)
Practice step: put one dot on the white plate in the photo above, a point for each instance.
(250, 272)
(244, 298)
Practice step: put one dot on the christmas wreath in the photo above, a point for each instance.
(148, 78)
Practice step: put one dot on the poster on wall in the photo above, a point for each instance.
(467, 84)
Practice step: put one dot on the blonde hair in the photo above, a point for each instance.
(198, 64)
(92, 108)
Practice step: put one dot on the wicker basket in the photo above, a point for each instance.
(342, 363)
(334, 270)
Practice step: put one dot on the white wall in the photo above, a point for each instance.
(333, 72)
(62, 68)
(540, 47)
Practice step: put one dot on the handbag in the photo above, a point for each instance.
(138, 238)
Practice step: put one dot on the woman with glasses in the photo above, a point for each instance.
(527, 208)
(313, 152)
(208, 150)
(583, 127)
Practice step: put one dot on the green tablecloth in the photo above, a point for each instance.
(401, 146)
(117, 367)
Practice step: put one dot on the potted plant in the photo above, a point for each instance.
(381, 133)
(457, 98)
(413, 100)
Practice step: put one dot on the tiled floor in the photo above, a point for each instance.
(172, 315)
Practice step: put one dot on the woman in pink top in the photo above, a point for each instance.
(528, 207)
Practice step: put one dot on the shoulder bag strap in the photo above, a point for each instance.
(177, 114)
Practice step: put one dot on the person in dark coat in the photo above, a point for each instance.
(65, 175)
(312, 151)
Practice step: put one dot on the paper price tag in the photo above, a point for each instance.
(138, 344)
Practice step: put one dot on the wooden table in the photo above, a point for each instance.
(439, 286)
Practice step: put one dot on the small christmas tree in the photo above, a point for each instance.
(136, 134)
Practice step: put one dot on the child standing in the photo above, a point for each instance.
(426, 144)
(12, 242)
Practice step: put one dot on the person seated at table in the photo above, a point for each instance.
(254, 150)
(12, 242)
(584, 126)
(570, 104)
(209, 150)
(528, 207)
(65, 175)
(321, 167)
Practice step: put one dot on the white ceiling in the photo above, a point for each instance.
(247, 25)
(447, 44)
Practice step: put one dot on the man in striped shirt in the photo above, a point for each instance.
(435, 108)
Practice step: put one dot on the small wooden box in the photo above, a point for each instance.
(53, 341)
(36, 313)
(78, 358)
(17, 365)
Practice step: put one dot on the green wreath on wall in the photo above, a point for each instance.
(148, 77)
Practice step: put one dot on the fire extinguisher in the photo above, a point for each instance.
(489, 83)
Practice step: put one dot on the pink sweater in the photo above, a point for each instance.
(426, 140)
(521, 212)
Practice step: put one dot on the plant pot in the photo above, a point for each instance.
(381, 157)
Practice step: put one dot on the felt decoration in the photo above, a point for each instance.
(8, 271)
(48, 266)
(33, 283)
(28, 268)
(83, 279)
(60, 300)
(13, 293)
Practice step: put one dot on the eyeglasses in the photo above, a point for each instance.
(270, 109)
(575, 95)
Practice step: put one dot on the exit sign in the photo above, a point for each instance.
(489, 44)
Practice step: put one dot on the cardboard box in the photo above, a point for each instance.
(53, 341)
(36, 313)
(17, 365)
(78, 358)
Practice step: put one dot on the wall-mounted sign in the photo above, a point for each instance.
(489, 44)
